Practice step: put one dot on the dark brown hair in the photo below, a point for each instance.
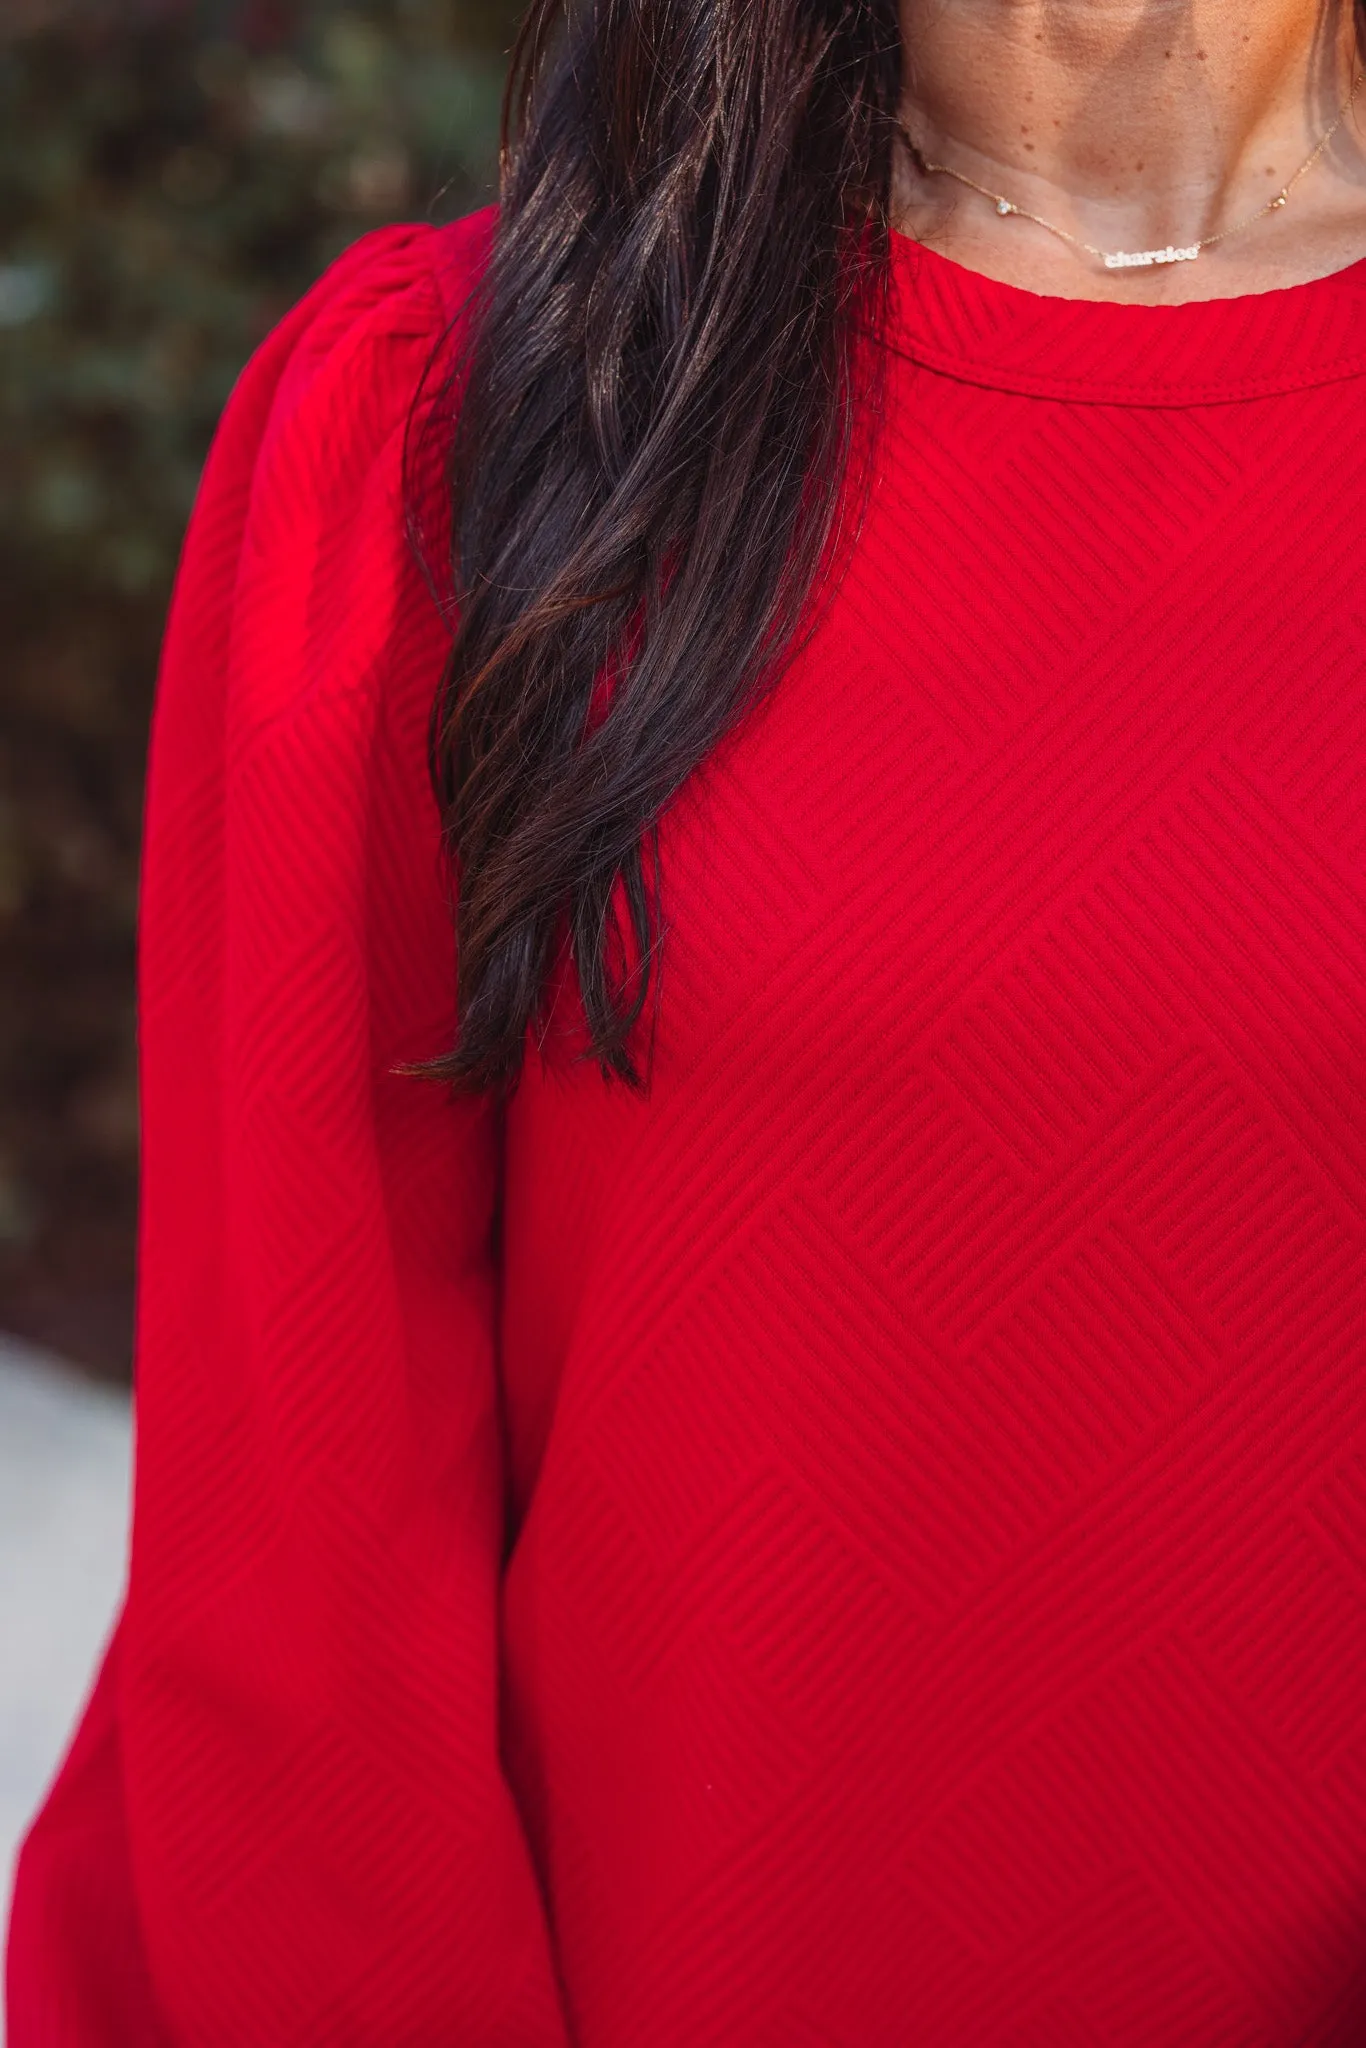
(650, 452)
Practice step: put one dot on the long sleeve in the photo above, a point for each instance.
(283, 1819)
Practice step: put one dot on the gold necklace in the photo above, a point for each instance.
(1131, 259)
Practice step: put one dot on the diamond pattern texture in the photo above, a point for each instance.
(873, 1550)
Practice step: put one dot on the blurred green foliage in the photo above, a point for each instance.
(173, 174)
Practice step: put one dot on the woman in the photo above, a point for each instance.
(815, 1492)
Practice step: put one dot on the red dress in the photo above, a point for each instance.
(878, 1557)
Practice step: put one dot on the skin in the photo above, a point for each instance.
(1134, 123)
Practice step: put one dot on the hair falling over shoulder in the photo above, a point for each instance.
(648, 463)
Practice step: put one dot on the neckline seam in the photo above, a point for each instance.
(1087, 391)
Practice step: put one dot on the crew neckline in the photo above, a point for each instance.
(1202, 352)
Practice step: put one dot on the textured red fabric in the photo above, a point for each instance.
(879, 1555)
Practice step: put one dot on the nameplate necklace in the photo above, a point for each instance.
(1139, 259)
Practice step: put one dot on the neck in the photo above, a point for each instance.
(1131, 123)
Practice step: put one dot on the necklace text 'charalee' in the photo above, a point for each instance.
(1132, 259)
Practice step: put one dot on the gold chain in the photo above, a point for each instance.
(1129, 259)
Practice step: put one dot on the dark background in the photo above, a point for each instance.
(173, 174)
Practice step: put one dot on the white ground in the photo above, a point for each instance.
(64, 1457)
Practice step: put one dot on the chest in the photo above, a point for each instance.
(1033, 902)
